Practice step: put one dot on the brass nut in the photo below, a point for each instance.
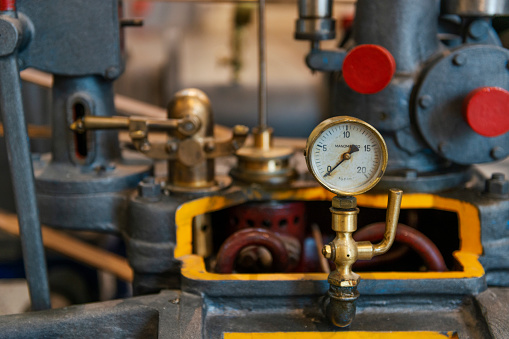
(145, 147)
(345, 203)
(327, 251)
(210, 146)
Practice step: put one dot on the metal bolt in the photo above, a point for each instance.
(172, 147)
(497, 185)
(145, 147)
(442, 147)
(131, 22)
(100, 168)
(188, 126)
(149, 180)
(425, 101)
(459, 59)
(327, 251)
(411, 174)
(478, 29)
(210, 146)
(498, 176)
(498, 153)
(149, 189)
(112, 72)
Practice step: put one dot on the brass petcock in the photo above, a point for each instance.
(344, 251)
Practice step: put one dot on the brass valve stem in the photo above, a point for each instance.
(345, 251)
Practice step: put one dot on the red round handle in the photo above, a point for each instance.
(486, 111)
(368, 69)
(251, 237)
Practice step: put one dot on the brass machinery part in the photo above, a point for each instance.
(191, 146)
(262, 163)
(344, 251)
(326, 125)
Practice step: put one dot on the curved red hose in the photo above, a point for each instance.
(251, 237)
(421, 244)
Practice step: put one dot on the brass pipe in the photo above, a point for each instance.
(391, 222)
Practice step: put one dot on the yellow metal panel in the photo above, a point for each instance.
(194, 268)
(467, 256)
(343, 335)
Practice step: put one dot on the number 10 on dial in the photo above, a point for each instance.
(346, 155)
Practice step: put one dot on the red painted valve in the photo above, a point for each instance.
(368, 69)
(251, 237)
(486, 110)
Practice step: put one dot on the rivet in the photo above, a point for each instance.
(425, 101)
(112, 72)
(498, 153)
(442, 147)
(459, 59)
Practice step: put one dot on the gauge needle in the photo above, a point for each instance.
(344, 156)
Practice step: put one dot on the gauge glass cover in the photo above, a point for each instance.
(346, 155)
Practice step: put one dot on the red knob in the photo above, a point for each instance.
(7, 5)
(368, 69)
(486, 110)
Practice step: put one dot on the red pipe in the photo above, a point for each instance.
(424, 247)
(7, 5)
(251, 237)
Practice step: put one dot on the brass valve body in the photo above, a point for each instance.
(344, 251)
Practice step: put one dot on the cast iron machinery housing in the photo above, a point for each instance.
(178, 293)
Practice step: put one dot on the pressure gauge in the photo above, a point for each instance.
(346, 155)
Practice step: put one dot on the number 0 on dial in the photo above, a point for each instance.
(346, 155)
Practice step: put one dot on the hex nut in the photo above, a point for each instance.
(149, 189)
(327, 251)
(344, 203)
(497, 185)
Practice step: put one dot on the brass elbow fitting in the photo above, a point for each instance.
(345, 251)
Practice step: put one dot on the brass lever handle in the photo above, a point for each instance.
(187, 125)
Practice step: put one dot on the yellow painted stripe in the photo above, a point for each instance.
(343, 335)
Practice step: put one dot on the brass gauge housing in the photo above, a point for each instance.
(346, 155)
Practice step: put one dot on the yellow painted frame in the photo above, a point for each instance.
(468, 217)
(343, 335)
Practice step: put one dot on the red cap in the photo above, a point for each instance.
(486, 110)
(7, 5)
(368, 69)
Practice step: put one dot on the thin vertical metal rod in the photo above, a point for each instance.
(20, 162)
(262, 65)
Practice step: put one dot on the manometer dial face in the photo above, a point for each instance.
(346, 155)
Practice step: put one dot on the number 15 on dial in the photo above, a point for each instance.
(346, 155)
